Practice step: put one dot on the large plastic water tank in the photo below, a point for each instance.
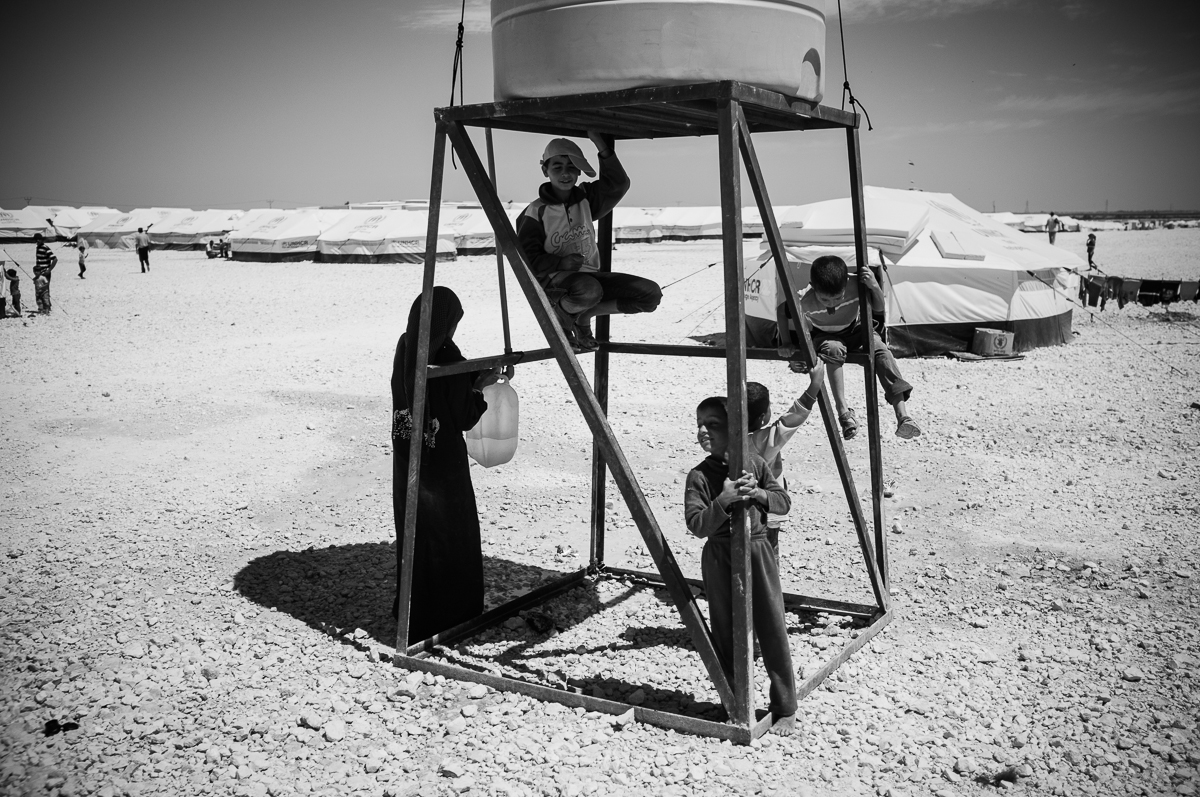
(545, 48)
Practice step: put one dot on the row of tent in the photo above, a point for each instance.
(947, 268)
(373, 232)
(1040, 222)
(391, 233)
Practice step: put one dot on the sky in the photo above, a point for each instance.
(1066, 105)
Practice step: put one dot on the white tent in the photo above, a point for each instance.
(283, 235)
(1100, 225)
(473, 233)
(890, 226)
(193, 230)
(117, 231)
(752, 223)
(636, 225)
(956, 270)
(1037, 222)
(1007, 218)
(689, 224)
(70, 220)
(20, 225)
(46, 213)
(383, 235)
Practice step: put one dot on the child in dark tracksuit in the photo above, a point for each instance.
(708, 497)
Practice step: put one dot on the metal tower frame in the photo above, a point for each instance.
(732, 111)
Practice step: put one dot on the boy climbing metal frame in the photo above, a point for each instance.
(732, 111)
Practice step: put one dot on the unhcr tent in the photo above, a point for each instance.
(117, 231)
(20, 225)
(47, 213)
(752, 223)
(70, 220)
(636, 225)
(283, 235)
(1100, 225)
(949, 270)
(384, 235)
(194, 229)
(473, 233)
(689, 224)
(1007, 218)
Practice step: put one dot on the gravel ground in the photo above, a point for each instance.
(197, 562)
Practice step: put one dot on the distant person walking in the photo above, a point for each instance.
(46, 261)
(82, 244)
(1053, 225)
(142, 242)
(1091, 249)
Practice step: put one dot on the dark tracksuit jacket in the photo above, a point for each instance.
(548, 228)
(705, 518)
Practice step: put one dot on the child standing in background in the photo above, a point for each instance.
(768, 440)
(14, 290)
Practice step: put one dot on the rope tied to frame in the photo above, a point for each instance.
(457, 76)
(846, 90)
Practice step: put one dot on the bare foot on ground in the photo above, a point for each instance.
(785, 726)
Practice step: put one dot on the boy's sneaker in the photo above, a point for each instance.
(907, 429)
(584, 338)
(849, 424)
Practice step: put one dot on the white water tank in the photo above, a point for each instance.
(546, 48)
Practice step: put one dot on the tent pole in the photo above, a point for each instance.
(791, 301)
(600, 388)
(635, 499)
(491, 159)
(858, 207)
(741, 590)
(408, 539)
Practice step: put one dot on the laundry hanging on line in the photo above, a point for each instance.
(1095, 290)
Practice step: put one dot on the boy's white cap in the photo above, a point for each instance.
(564, 146)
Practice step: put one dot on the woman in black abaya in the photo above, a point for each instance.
(447, 575)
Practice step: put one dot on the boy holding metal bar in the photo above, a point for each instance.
(831, 307)
(708, 499)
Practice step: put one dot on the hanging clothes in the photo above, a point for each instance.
(1112, 287)
(1189, 291)
(1150, 293)
(1158, 292)
(1095, 287)
(1129, 292)
(1170, 292)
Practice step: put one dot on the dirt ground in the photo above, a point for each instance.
(198, 564)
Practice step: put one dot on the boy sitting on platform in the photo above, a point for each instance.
(557, 234)
(831, 306)
(768, 440)
(707, 501)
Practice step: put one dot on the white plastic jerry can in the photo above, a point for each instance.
(493, 440)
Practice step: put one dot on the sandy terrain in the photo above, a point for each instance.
(198, 567)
